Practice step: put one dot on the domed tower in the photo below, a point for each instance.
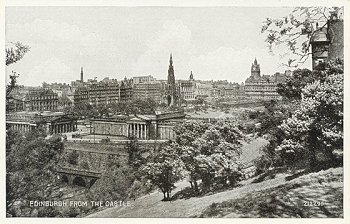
(255, 70)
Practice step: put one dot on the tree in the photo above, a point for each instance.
(113, 185)
(15, 54)
(209, 152)
(317, 127)
(294, 85)
(12, 56)
(164, 171)
(296, 30)
(135, 158)
(30, 168)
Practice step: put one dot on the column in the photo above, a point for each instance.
(136, 130)
(146, 134)
(143, 131)
(139, 130)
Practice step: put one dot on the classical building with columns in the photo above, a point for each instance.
(146, 127)
(52, 122)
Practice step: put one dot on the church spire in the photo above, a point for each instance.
(171, 59)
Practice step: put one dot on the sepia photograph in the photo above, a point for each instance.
(174, 111)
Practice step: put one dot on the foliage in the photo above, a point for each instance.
(209, 152)
(318, 125)
(30, 167)
(272, 115)
(295, 30)
(312, 128)
(294, 84)
(72, 157)
(113, 185)
(135, 106)
(135, 158)
(12, 56)
(15, 54)
(164, 171)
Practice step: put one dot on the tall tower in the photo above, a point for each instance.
(191, 77)
(255, 70)
(81, 75)
(171, 88)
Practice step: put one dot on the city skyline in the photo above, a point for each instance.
(137, 41)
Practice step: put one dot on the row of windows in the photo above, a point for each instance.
(44, 103)
(43, 97)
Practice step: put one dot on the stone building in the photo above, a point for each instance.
(203, 89)
(104, 92)
(41, 99)
(327, 41)
(263, 87)
(231, 91)
(52, 122)
(145, 127)
(147, 87)
(143, 79)
(15, 104)
(187, 89)
(126, 90)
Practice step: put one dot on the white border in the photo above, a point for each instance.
(182, 3)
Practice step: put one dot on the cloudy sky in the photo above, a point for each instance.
(213, 42)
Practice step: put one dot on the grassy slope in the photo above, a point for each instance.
(323, 189)
(248, 200)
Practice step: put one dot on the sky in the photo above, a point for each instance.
(215, 43)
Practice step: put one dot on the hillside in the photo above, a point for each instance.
(270, 198)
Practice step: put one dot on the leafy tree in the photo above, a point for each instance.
(293, 86)
(15, 54)
(296, 30)
(317, 127)
(30, 168)
(164, 171)
(135, 157)
(113, 185)
(209, 152)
